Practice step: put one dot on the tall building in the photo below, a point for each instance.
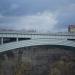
(71, 28)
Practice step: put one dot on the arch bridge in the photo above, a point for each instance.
(12, 40)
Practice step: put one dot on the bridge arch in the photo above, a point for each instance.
(35, 42)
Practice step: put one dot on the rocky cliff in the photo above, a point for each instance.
(38, 60)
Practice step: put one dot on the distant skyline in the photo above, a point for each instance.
(39, 15)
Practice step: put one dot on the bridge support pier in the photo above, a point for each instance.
(17, 39)
(1, 40)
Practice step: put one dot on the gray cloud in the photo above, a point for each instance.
(14, 14)
(66, 16)
(22, 7)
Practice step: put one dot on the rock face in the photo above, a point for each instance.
(38, 60)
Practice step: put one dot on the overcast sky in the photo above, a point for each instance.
(40, 15)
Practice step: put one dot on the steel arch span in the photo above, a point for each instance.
(35, 42)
